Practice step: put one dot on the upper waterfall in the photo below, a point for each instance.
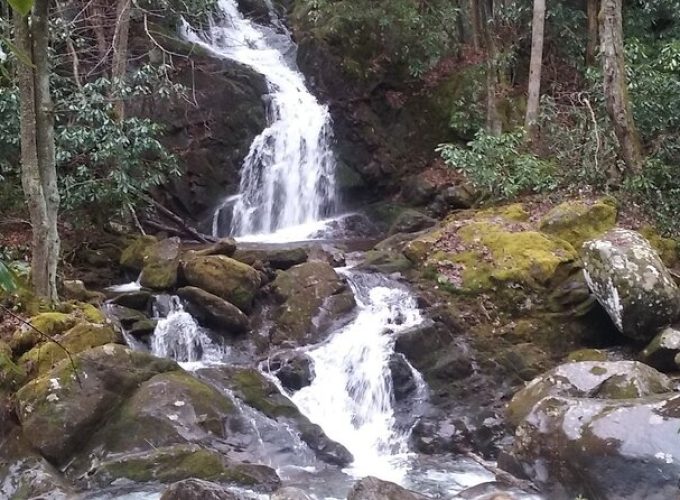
(288, 176)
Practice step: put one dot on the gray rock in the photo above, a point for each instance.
(212, 311)
(289, 493)
(161, 265)
(628, 278)
(133, 300)
(294, 369)
(371, 488)
(411, 221)
(196, 489)
(662, 351)
(403, 381)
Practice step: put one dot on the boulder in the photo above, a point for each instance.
(161, 265)
(125, 315)
(312, 297)
(456, 197)
(628, 278)
(589, 379)
(50, 324)
(212, 311)
(371, 488)
(404, 383)
(12, 376)
(385, 261)
(294, 369)
(133, 300)
(256, 391)
(578, 221)
(662, 351)
(180, 462)
(134, 255)
(290, 493)
(223, 246)
(81, 337)
(276, 258)
(227, 278)
(142, 328)
(196, 489)
(59, 408)
(411, 221)
(76, 290)
(600, 448)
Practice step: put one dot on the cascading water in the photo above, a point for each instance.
(288, 176)
(351, 396)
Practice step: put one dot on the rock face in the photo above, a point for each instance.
(212, 311)
(371, 488)
(632, 284)
(608, 449)
(134, 255)
(411, 221)
(196, 489)
(227, 278)
(161, 264)
(294, 369)
(580, 221)
(312, 296)
(590, 379)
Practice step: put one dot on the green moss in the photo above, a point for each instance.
(580, 221)
(78, 339)
(261, 394)
(666, 247)
(12, 376)
(136, 252)
(50, 324)
(587, 355)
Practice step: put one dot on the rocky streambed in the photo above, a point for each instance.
(431, 360)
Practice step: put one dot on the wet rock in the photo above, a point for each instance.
(143, 328)
(411, 221)
(212, 311)
(607, 449)
(403, 382)
(180, 462)
(76, 290)
(632, 284)
(227, 278)
(134, 255)
(125, 315)
(312, 297)
(133, 300)
(326, 253)
(589, 379)
(371, 488)
(80, 338)
(255, 390)
(276, 258)
(161, 265)
(223, 246)
(662, 351)
(492, 491)
(384, 261)
(50, 324)
(196, 489)
(579, 221)
(294, 369)
(289, 493)
(56, 410)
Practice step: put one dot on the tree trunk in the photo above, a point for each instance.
(615, 86)
(38, 172)
(591, 46)
(534, 94)
(473, 12)
(494, 125)
(120, 52)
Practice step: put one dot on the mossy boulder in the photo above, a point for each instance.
(161, 265)
(312, 297)
(50, 324)
(134, 255)
(176, 463)
(133, 300)
(662, 352)
(256, 391)
(59, 408)
(81, 337)
(12, 376)
(600, 448)
(227, 278)
(212, 311)
(372, 488)
(667, 248)
(223, 246)
(578, 221)
(589, 379)
(411, 221)
(631, 282)
(126, 316)
(142, 328)
(587, 355)
(493, 250)
(385, 261)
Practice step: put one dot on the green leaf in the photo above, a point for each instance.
(21, 55)
(23, 7)
(7, 282)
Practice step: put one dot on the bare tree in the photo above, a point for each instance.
(615, 86)
(591, 45)
(534, 95)
(120, 50)
(38, 169)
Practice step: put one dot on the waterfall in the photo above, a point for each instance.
(351, 397)
(287, 178)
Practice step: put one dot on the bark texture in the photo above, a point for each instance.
(615, 86)
(534, 94)
(120, 50)
(591, 45)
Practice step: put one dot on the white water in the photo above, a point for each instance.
(288, 176)
(351, 396)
